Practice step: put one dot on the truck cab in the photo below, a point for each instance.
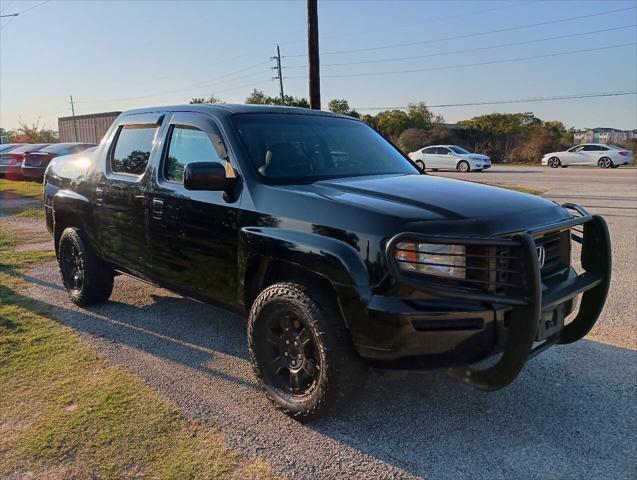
(332, 243)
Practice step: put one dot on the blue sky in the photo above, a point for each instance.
(116, 55)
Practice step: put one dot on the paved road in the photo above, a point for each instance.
(572, 413)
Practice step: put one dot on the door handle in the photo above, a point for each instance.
(158, 209)
(99, 196)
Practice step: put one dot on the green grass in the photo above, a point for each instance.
(21, 188)
(518, 188)
(67, 413)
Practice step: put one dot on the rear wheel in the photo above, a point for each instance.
(605, 162)
(421, 165)
(554, 162)
(86, 278)
(301, 352)
(463, 166)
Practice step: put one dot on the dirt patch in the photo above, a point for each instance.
(36, 237)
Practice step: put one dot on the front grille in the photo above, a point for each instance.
(557, 248)
(494, 267)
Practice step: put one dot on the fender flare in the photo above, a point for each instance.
(69, 202)
(328, 257)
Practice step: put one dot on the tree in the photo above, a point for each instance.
(34, 134)
(419, 116)
(257, 97)
(342, 106)
(392, 123)
(212, 99)
(412, 139)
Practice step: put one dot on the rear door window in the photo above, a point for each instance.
(132, 149)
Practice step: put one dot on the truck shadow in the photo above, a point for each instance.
(571, 414)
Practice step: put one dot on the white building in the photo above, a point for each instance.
(604, 135)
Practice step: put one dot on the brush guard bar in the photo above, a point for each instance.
(525, 294)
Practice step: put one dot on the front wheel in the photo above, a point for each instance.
(463, 166)
(605, 162)
(301, 351)
(86, 278)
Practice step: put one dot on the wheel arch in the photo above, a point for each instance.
(69, 210)
(272, 255)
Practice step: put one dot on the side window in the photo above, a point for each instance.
(132, 149)
(442, 151)
(589, 148)
(603, 149)
(428, 150)
(188, 145)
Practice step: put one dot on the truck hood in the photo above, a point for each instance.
(464, 206)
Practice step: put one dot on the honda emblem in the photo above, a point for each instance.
(541, 256)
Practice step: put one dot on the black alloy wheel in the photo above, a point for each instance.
(71, 267)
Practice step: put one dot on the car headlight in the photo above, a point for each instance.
(431, 258)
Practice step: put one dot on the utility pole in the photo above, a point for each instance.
(73, 112)
(313, 54)
(280, 73)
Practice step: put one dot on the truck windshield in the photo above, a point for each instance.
(297, 148)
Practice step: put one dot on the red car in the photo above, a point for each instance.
(11, 159)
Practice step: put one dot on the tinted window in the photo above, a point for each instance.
(442, 151)
(458, 150)
(289, 148)
(188, 145)
(132, 149)
(429, 150)
(589, 148)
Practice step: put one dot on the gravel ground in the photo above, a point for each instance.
(571, 414)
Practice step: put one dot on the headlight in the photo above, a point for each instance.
(431, 258)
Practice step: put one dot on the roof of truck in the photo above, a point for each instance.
(234, 108)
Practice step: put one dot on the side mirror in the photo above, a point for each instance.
(207, 176)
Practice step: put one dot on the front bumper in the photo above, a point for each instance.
(459, 324)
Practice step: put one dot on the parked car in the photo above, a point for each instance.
(11, 160)
(35, 163)
(332, 244)
(604, 156)
(5, 147)
(450, 157)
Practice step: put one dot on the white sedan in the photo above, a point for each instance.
(604, 156)
(449, 157)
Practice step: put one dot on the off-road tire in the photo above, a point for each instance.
(463, 166)
(341, 372)
(97, 277)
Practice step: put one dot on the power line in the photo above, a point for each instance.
(449, 67)
(22, 12)
(403, 25)
(6, 6)
(476, 34)
(176, 90)
(521, 100)
(453, 52)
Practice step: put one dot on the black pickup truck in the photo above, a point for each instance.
(339, 251)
